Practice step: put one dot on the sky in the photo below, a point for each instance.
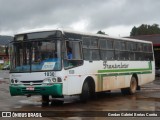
(114, 17)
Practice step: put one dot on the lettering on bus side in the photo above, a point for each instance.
(49, 73)
(121, 65)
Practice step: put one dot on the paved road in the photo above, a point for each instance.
(148, 99)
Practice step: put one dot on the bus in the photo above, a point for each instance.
(58, 63)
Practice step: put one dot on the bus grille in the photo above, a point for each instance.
(26, 83)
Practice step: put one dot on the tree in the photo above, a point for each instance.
(145, 29)
(133, 31)
(101, 32)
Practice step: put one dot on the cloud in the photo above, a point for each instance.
(84, 15)
(118, 31)
(80, 25)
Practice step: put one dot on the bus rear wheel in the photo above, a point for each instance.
(85, 95)
(132, 89)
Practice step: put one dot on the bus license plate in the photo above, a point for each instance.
(30, 88)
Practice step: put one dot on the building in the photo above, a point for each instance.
(4, 45)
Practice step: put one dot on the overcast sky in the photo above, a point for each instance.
(114, 17)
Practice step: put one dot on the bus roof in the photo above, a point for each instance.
(83, 33)
(105, 36)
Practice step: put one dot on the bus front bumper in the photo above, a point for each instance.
(54, 90)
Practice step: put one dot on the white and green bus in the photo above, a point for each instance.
(61, 63)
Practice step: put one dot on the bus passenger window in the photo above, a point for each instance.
(73, 54)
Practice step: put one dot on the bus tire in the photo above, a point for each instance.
(133, 86)
(85, 94)
(45, 100)
(132, 89)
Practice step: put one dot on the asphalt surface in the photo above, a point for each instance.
(147, 99)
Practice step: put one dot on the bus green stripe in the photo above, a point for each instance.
(128, 70)
(122, 70)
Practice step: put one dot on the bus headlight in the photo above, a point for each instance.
(15, 81)
(52, 80)
(47, 80)
(12, 81)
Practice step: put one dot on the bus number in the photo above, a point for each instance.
(49, 73)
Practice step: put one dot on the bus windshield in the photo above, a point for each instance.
(36, 55)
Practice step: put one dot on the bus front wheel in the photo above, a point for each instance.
(84, 97)
(132, 89)
(45, 100)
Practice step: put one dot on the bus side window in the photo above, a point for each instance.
(106, 49)
(73, 54)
